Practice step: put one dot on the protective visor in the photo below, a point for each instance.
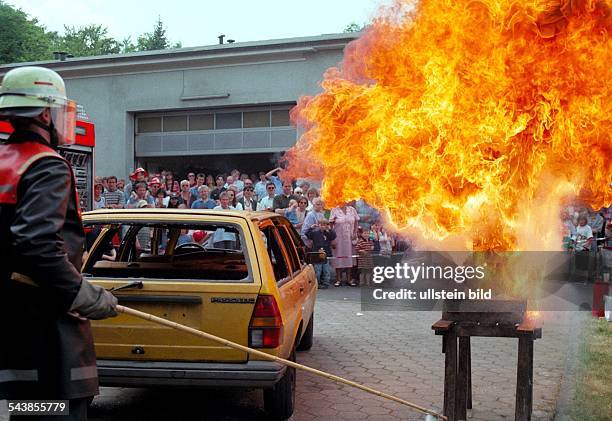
(64, 117)
(29, 104)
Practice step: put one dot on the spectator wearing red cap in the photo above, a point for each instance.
(138, 176)
(154, 186)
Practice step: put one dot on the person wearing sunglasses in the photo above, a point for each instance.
(267, 203)
(301, 212)
(248, 201)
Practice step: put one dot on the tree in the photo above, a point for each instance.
(89, 40)
(127, 46)
(155, 40)
(22, 38)
(354, 27)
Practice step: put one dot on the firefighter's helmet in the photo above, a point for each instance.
(25, 93)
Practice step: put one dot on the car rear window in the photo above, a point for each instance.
(177, 251)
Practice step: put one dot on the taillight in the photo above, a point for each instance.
(266, 327)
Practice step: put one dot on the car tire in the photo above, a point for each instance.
(279, 400)
(307, 337)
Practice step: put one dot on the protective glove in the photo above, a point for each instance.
(94, 302)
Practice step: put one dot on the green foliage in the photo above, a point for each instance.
(21, 38)
(89, 40)
(24, 39)
(155, 40)
(127, 46)
(354, 27)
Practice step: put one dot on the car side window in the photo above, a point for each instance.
(275, 251)
(290, 249)
(171, 251)
(107, 245)
(297, 240)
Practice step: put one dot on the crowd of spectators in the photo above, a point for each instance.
(588, 233)
(585, 229)
(349, 234)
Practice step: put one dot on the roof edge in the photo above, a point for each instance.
(161, 55)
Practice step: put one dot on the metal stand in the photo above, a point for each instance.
(458, 365)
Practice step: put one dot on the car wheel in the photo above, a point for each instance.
(307, 337)
(279, 401)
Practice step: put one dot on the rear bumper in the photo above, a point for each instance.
(159, 373)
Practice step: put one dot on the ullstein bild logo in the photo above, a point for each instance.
(412, 273)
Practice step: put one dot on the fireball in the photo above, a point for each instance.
(467, 122)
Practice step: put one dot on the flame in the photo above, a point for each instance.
(533, 315)
(467, 121)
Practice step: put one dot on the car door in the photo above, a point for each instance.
(303, 273)
(289, 288)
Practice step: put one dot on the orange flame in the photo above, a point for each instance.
(467, 121)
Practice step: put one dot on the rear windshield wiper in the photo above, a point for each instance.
(133, 284)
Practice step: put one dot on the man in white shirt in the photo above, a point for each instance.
(584, 235)
(222, 239)
(267, 203)
(248, 202)
(224, 202)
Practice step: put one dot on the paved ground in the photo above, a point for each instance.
(395, 352)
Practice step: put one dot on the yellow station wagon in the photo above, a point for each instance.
(242, 276)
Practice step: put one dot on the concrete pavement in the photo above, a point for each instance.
(394, 351)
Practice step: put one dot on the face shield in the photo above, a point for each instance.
(28, 104)
(63, 116)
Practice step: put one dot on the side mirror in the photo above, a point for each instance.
(315, 257)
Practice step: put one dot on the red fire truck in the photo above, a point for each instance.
(80, 155)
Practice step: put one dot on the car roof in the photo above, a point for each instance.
(165, 212)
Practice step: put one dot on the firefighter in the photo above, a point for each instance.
(47, 347)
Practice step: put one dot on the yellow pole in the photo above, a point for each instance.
(187, 329)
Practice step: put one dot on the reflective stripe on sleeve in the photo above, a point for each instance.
(35, 158)
(11, 375)
(82, 373)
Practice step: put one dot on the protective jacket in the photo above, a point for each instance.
(45, 353)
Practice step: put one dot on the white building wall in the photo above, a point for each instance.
(111, 100)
